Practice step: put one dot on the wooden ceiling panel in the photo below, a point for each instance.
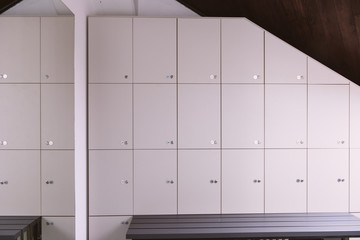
(7, 4)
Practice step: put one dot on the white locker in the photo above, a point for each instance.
(199, 50)
(58, 228)
(242, 48)
(110, 116)
(328, 180)
(110, 49)
(328, 116)
(155, 182)
(199, 117)
(243, 181)
(354, 116)
(110, 182)
(285, 180)
(155, 116)
(354, 180)
(285, 116)
(108, 227)
(320, 74)
(283, 63)
(199, 181)
(243, 116)
(155, 50)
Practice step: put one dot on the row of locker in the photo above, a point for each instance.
(167, 116)
(169, 50)
(37, 116)
(37, 182)
(126, 182)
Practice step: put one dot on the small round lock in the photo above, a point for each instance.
(124, 142)
(47, 76)
(257, 142)
(213, 142)
(49, 223)
(169, 76)
(4, 76)
(4, 143)
(342, 180)
(126, 76)
(124, 181)
(339, 180)
(211, 181)
(299, 77)
(255, 77)
(170, 142)
(256, 181)
(49, 143)
(212, 76)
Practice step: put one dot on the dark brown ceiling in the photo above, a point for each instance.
(6, 4)
(326, 30)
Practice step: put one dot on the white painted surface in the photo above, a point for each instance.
(354, 180)
(354, 116)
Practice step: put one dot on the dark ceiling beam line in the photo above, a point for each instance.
(7, 4)
(191, 7)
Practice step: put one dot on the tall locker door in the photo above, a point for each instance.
(328, 171)
(20, 182)
(20, 50)
(285, 177)
(155, 116)
(57, 116)
(199, 116)
(354, 116)
(155, 182)
(242, 122)
(285, 116)
(110, 50)
(328, 109)
(154, 50)
(57, 183)
(354, 180)
(242, 181)
(109, 227)
(57, 49)
(199, 50)
(110, 116)
(20, 116)
(199, 181)
(242, 47)
(283, 63)
(58, 228)
(110, 182)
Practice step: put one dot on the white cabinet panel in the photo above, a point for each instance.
(328, 109)
(57, 116)
(155, 50)
(110, 182)
(199, 50)
(354, 180)
(242, 181)
(110, 116)
(242, 47)
(283, 63)
(155, 116)
(285, 177)
(328, 184)
(354, 116)
(320, 74)
(20, 182)
(110, 50)
(57, 183)
(199, 116)
(243, 116)
(109, 228)
(20, 50)
(58, 228)
(199, 181)
(155, 182)
(57, 49)
(20, 116)
(285, 116)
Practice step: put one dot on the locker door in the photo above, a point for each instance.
(58, 228)
(320, 74)
(108, 227)
(354, 116)
(57, 116)
(354, 180)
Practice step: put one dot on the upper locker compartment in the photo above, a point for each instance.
(320, 74)
(283, 63)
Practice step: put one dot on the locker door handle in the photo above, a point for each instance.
(4, 182)
(341, 180)
(256, 76)
(49, 182)
(49, 143)
(299, 77)
(124, 181)
(170, 76)
(125, 222)
(213, 181)
(4, 76)
(124, 142)
(50, 223)
(299, 180)
(257, 181)
(3, 143)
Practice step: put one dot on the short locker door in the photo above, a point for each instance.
(20, 50)
(155, 116)
(199, 50)
(285, 180)
(57, 49)
(154, 50)
(57, 116)
(242, 116)
(20, 116)
(199, 115)
(58, 228)
(320, 74)
(110, 182)
(242, 47)
(57, 183)
(285, 116)
(108, 227)
(110, 50)
(110, 116)
(328, 171)
(155, 182)
(354, 180)
(199, 181)
(243, 181)
(20, 182)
